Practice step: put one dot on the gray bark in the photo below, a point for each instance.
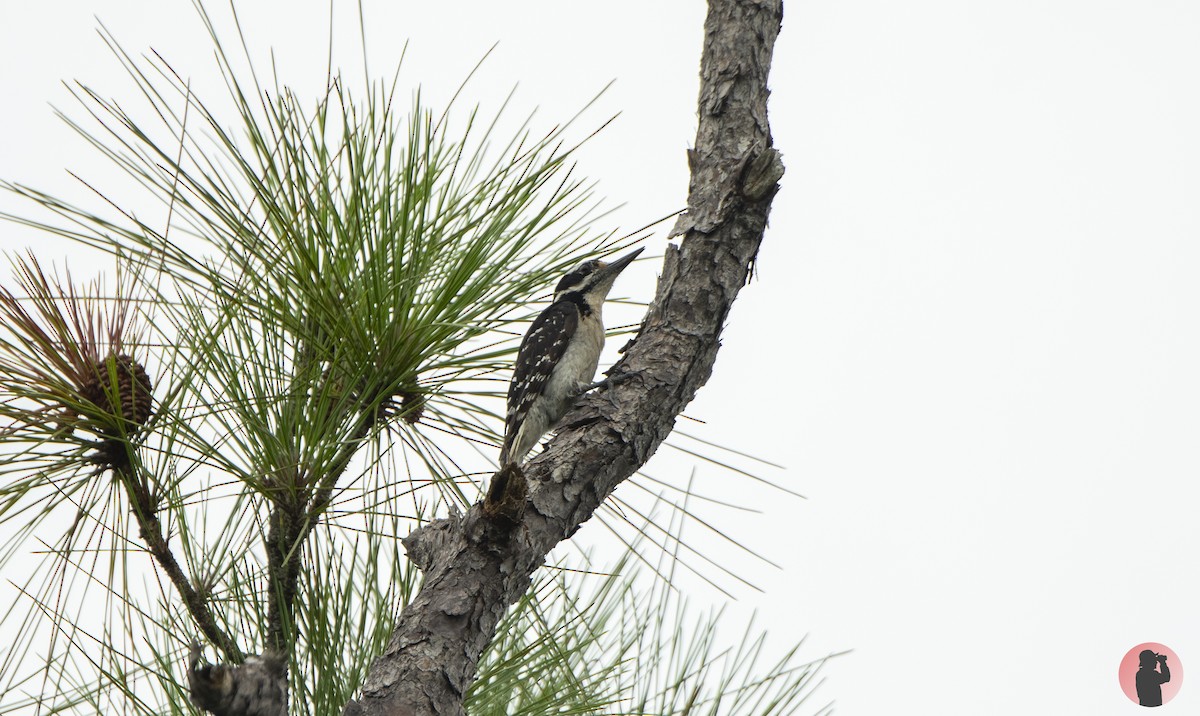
(476, 566)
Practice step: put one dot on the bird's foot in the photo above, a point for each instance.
(605, 385)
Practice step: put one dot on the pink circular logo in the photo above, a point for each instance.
(1150, 674)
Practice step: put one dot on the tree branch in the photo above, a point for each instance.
(476, 566)
(144, 508)
(293, 518)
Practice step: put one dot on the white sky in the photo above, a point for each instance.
(973, 340)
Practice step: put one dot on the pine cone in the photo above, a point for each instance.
(133, 388)
(412, 406)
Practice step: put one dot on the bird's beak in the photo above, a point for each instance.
(612, 269)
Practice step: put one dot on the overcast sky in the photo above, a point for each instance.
(973, 339)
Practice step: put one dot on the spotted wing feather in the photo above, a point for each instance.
(542, 348)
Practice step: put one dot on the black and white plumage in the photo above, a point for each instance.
(559, 355)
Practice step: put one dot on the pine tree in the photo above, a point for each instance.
(252, 446)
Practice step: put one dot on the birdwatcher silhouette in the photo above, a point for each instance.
(1150, 680)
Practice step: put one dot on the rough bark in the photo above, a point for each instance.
(476, 566)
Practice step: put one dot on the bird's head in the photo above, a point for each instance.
(593, 279)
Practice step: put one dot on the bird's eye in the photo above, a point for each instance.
(578, 275)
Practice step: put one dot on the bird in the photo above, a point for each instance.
(558, 356)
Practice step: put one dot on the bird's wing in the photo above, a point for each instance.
(542, 347)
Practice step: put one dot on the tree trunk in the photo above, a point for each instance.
(477, 565)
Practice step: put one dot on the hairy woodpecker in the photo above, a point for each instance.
(558, 357)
